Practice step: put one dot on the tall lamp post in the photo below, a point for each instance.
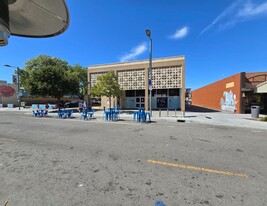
(148, 33)
(89, 107)
(18, 73)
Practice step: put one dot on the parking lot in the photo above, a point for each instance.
(50, 161)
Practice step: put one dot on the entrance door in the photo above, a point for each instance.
(140, 102)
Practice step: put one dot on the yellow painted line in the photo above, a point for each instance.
(5, 139)
(196, 168)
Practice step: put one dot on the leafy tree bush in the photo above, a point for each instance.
(107, 85)
(49, 76)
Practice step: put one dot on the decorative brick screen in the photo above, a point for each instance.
(162, 78)
(132, 79)
(167, 77)
(94, 77)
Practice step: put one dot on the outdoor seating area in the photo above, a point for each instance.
(39, 110)
(108, 114)
(40, 113)
(141, 116)
(85, 115)
(111, 114)
(65, 114)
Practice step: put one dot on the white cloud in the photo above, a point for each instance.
(239, 11)
(253, 10)
(141, 48)
(180, 33)
(221, 16)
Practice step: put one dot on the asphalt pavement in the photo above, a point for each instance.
(67, 162)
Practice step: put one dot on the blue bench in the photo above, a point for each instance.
(10, 105)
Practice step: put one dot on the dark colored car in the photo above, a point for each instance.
(96, 102)
(71, 104)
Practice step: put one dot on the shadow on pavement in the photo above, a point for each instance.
(194, 108)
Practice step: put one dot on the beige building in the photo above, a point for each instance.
(168, 83)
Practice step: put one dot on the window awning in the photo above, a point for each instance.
(262, 88)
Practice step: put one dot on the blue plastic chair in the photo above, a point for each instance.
(108, 115)
(69, 113)
(135, 116)
(34, 113)
(91, 113)
(147, 116)
(141, 116)
(116, 114)
(60, 114)
(84, 115)
(45, 113)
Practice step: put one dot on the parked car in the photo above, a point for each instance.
(71, 104)
(96, 102)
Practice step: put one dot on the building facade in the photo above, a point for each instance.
(236, 93)
(168, 83)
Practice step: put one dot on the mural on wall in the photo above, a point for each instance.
(7, 91)
(228, 101)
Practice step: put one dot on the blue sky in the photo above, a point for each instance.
(218, 38)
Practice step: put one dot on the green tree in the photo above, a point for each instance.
(81, 74)
(48, 76)
(107, 85)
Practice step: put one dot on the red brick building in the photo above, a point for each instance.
(236, 93)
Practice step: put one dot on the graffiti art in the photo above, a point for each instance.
(7, 91)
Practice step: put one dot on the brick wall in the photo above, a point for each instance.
(221, 95)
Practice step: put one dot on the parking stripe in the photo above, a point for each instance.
(6, 139)
(196, 168)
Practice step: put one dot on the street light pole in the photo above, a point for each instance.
(148, 33)
(87, 99)
(18, 73)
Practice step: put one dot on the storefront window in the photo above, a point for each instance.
(140, 93)
(162, 92)
(174, 92)
(130, 93)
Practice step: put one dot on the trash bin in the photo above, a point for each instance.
(255, 111)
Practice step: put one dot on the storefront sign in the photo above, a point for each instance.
(230, 85)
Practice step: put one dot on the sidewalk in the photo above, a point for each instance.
(203, 117)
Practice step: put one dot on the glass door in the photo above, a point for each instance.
(140, 102)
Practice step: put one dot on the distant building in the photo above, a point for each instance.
(236, 93)
(188, 95)
(168, 83)
(3, 82)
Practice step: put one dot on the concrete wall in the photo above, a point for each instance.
(221, 95)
